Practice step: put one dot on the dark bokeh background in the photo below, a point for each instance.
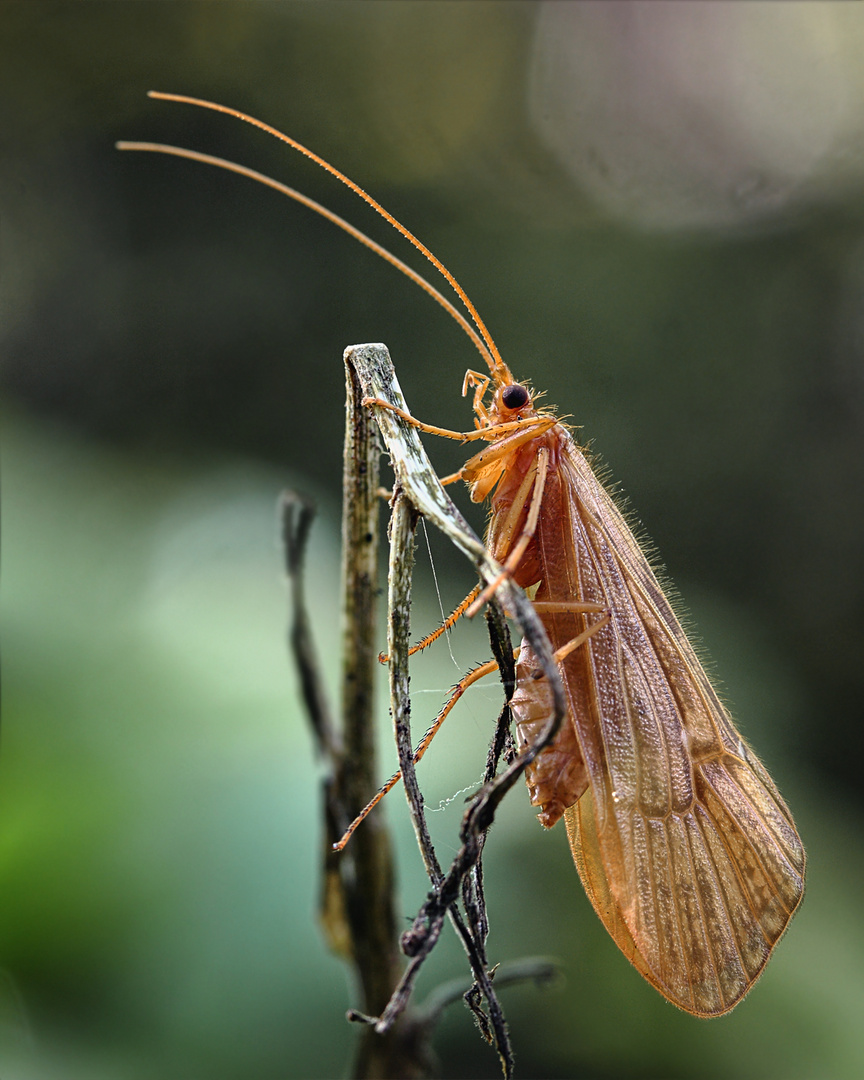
(659, 210)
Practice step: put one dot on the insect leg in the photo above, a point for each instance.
(480, 383)
(451, 620)
(577, 606)
(488, 463)
(458, 690)
(430, 429)
(451, 479)
(506, 438)
(574, 643)
(521, 545)
(529, 428)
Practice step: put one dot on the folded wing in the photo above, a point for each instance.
(685, 848)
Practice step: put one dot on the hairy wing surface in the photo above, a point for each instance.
(684, 845)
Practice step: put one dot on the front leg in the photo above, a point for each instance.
(430, 429)
(531, 427)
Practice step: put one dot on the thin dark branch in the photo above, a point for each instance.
(365, 867)
(357, 901)
(536, 969)
(403, 523)
(402, 528)
(297, 514)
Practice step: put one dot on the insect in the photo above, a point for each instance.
(685, 848)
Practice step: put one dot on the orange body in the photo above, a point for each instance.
(685, 848)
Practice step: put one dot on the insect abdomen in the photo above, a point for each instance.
(557, 777)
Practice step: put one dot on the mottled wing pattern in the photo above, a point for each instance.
(686, 850)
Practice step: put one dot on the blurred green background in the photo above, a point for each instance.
(660, 215)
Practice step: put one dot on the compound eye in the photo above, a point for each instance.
(515, 396)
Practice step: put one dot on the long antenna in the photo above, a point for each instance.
(486, 346)
(298, 196)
